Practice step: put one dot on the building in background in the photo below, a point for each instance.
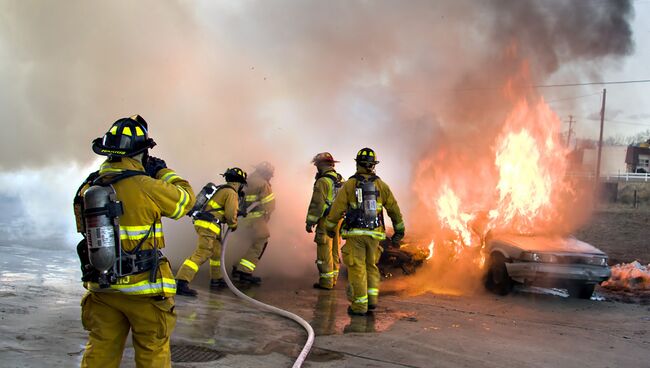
(637, 157)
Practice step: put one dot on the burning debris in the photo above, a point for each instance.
(407, 258)
(629, 277)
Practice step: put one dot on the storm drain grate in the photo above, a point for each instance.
(194, 354)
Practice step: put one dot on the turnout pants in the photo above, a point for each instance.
(327, 256)
(361, 254)
(108, 317)
(259, 232)
(208, 247)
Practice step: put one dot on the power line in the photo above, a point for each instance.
(559, 85)
(616, 121)
(591, 83)
(573, 98)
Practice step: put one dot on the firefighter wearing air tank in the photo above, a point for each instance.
(259, 203)
(220, 208)
(130, 284)
(328, 182)
(362, 200)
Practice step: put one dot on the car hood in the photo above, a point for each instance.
(549, 244)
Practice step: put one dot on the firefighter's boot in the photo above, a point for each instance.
(245, 276)
(317, 285)
(217, 284)
(183, 288)
(353, 313)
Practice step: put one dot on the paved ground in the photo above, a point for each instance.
(40, 325)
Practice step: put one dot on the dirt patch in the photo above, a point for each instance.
(621, 232)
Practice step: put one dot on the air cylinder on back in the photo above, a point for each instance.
(370, 204)
(100, 227)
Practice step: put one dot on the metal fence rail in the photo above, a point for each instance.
(633, 177)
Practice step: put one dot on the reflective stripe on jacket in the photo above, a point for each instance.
(140, 285)
(223, 206)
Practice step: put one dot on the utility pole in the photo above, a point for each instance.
(600, 139)
(568, 135)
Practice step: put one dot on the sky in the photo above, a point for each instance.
(627, 109)
(232, 83)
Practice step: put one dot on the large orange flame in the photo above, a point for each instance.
(519, 193)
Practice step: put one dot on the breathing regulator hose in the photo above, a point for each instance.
(310, 331)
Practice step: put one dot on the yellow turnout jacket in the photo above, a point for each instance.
(322, 196)
(223, 206)
(145, 201)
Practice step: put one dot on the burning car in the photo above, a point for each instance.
(550, 261)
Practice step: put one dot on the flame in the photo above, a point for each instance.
(431, 245)
(516, 188)
(531, 166)
(453, 217)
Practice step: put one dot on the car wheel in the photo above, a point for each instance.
(497, 279)
(582, 291)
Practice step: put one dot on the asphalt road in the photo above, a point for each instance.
(40, 326)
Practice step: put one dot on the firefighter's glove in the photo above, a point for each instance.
(309, 227)
(397, 239)
(153, 165)
(232, 228)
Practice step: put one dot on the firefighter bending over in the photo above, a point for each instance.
(328, 182)
(362, 199)
(130, 283)
(258, 192)
(215, 205)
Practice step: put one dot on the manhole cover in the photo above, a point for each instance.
(193, 353)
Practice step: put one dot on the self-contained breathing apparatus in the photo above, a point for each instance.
(365, 215)
(98, 211)
(199, 212)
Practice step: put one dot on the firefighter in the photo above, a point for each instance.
(327, 184)
(259, 203)
(135, 291)
(221, 208)
(362, 200)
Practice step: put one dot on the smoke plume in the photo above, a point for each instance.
(234, 83)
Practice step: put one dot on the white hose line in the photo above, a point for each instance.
(310, 331)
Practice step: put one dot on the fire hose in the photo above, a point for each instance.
(310, 331)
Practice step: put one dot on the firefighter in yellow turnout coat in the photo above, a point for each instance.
(328, 182)
(258, 191)
(362, 199)
(221, 208)
(143, 300)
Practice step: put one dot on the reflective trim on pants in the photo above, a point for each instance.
(189, 263)
(248, 264)
(327, 275)
(362, 299)
(215, 263)
(373, 291)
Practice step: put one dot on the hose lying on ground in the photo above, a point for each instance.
(310, 331)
